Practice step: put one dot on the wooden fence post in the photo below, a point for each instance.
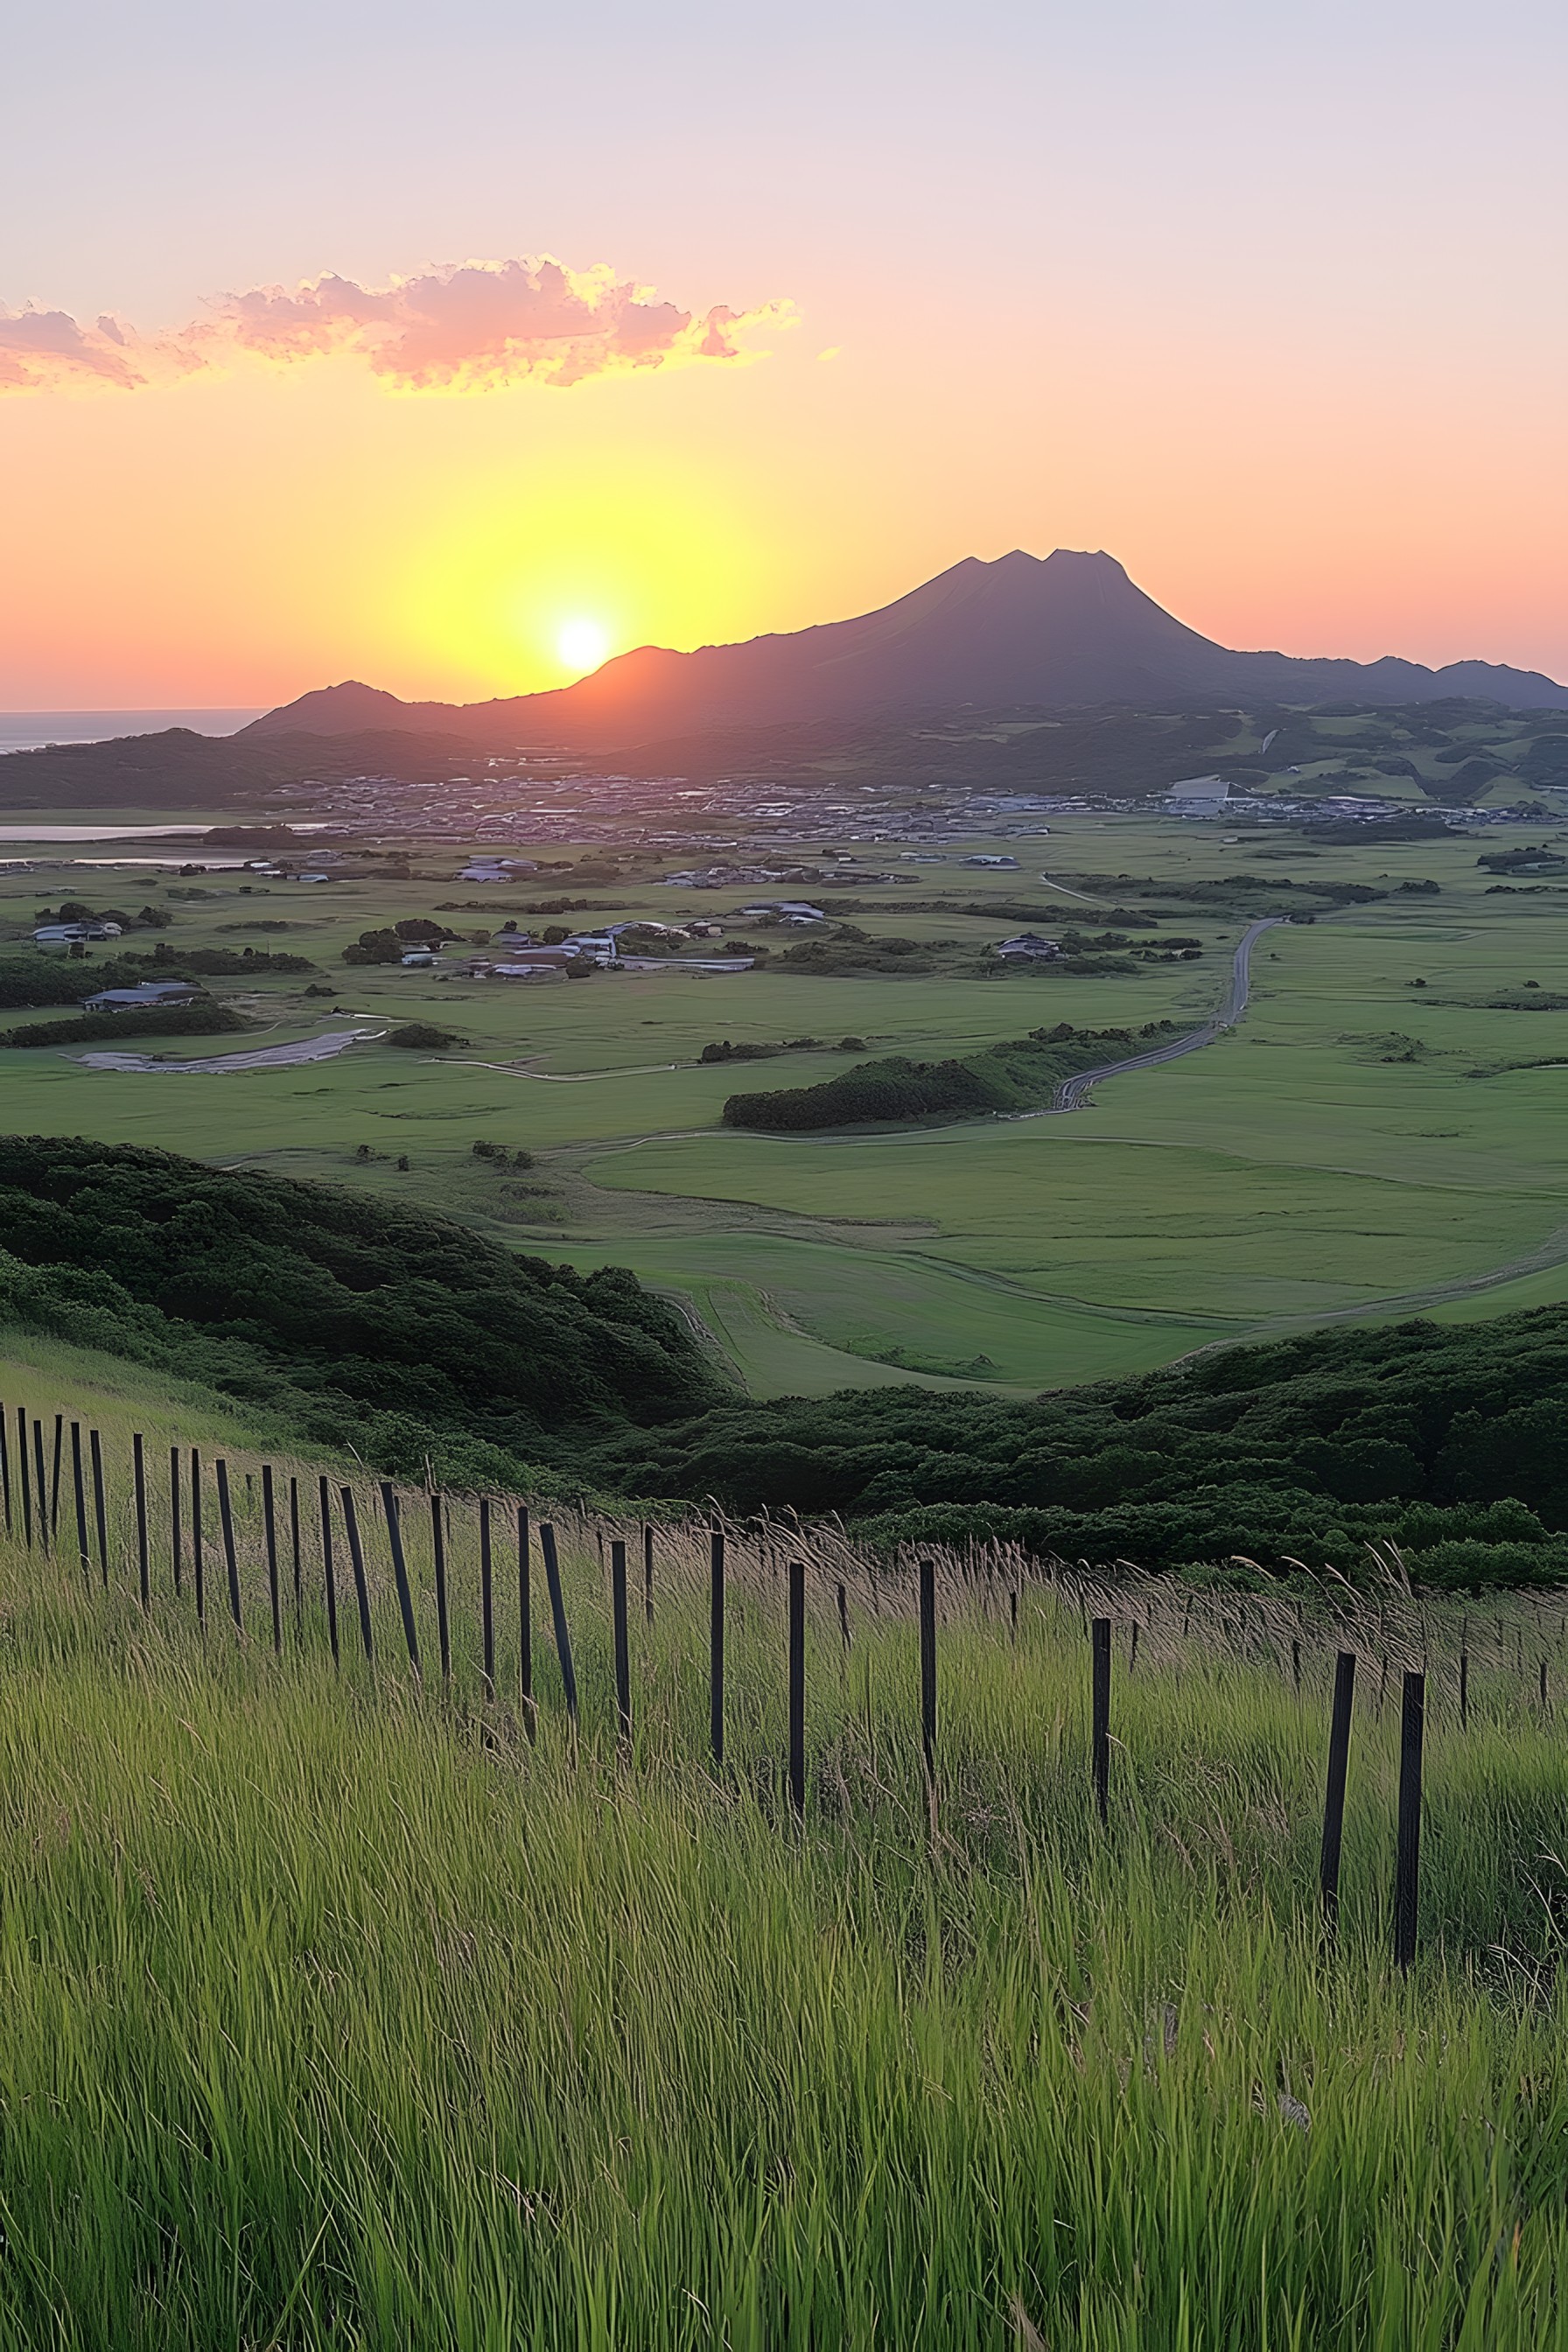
(269, 1533)
(1099, 1726)
(1334, 1791)
(100, 1513)
(524, 1620)
(55, 1477)
(623, 1650)
(329, 1577)
(716, 1643)
(230, 1558)
(356, 1557)
(41, 1490)
(294, 1547)
(24, 1476)
(844, 1616)
(198, 1558)
(927, 1573)
(558, 1617)
(400, 1571)
(143, 1559)
(1407, 1862)
(797, 1685)
(174, 1519)
(438, 1553)
(80, 1499)
(487, 1599)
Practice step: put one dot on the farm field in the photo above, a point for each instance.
(345, 2008)
(1358, 1145)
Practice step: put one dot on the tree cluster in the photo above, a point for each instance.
(1020, 1075)
(361, 1322)
(205, 1018)
(1443, 1440)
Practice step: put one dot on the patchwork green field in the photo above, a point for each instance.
(1381, 1133)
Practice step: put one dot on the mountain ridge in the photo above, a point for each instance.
(1060, 631)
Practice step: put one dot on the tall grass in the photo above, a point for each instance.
(343, 2009)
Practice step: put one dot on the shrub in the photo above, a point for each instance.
(425, 1037)
(375, 947)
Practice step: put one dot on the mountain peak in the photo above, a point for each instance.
(1056, 631)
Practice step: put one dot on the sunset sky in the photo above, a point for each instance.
(1268, 300)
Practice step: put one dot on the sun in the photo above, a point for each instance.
(581, 645)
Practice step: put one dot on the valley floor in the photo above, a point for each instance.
(1381, 1134)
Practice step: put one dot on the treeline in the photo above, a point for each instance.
(765, 1050)
(357, 1323)
(1020, 1075)
(1445, 1440)
(1254, 895)
(31, 979)
(205, 1018)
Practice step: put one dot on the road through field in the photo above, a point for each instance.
(1073, 1093)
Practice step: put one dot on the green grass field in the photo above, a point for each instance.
(1357, 1146)
(339, 2013)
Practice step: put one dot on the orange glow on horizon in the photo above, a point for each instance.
(234, 542)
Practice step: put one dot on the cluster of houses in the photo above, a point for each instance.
(75, 935)
(513, 955)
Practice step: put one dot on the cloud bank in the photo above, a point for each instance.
(474, 325)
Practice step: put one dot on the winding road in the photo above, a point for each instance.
(1074, 1092)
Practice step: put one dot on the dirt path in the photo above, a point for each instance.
(1074, 1092)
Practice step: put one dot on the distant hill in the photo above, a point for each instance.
(179, 769)
(1066, 631)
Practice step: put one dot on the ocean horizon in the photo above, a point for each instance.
(29, 730)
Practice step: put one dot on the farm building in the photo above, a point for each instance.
(148, 992)
(497, 869)
(1197, 797)
(70, 935)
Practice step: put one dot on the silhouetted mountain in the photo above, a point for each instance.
(177, 769)
(1067, 631)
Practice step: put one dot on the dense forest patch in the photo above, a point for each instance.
(357, 1322)
(1443, 1440)
(1021, 1074)
(205, 1018)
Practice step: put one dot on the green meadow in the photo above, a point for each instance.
(343, 2009)
(1358, 1145)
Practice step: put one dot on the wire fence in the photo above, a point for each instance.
(471, 1596)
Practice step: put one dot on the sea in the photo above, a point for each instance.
(29, 730)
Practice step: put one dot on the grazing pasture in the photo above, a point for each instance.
(1360, 1144)
(346, 2006)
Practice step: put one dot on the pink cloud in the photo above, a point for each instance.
(38, 348)
(472, 324)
